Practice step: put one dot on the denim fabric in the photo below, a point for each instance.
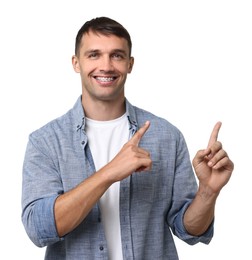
(152, 204)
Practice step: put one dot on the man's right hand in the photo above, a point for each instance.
(131, 158)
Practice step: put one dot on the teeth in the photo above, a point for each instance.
(104, 79)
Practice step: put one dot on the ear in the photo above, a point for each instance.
(75, 63)
(131, 63)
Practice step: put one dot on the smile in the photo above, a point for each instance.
(105, 79)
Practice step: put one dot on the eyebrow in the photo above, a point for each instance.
(120, 51)
(91, 51)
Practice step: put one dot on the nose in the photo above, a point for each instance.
(106, 64)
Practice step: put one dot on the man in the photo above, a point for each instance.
(108, 180)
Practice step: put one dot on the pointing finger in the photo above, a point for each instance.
(139, 134)
(214, 134)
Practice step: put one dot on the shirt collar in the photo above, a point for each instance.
(79, 115)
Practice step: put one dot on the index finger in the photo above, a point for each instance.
(214, 134)
(139, 134)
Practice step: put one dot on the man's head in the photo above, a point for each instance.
(103, 59)
(105, 26)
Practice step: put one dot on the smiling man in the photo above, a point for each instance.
(109, 180)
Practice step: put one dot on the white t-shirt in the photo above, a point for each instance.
(105, 139)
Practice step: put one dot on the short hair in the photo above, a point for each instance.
(105, 26)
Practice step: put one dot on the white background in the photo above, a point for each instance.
(193, 65)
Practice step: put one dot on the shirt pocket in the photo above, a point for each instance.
(144, 184)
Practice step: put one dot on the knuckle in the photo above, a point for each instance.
(137, 134)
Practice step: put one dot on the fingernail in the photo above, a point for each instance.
(210, 156)
(210, 164)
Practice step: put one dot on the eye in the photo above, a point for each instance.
(117, 56)
(93, 55)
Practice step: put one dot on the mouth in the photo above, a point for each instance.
(105, 80)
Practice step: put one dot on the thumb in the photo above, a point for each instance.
(139, 134)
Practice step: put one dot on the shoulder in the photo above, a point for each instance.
(62, 125)
(158, 124)
(55, 133)
(59, 123)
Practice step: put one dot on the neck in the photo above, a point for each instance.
(103, 110)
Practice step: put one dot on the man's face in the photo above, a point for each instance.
(103, 63)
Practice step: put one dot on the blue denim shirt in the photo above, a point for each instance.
(152, 204)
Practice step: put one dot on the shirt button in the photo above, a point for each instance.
(101, 248)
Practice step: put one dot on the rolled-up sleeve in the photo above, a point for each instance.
(41, 186)
(184, 190)
(185, 236)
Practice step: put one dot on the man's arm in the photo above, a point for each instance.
(213, 169)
